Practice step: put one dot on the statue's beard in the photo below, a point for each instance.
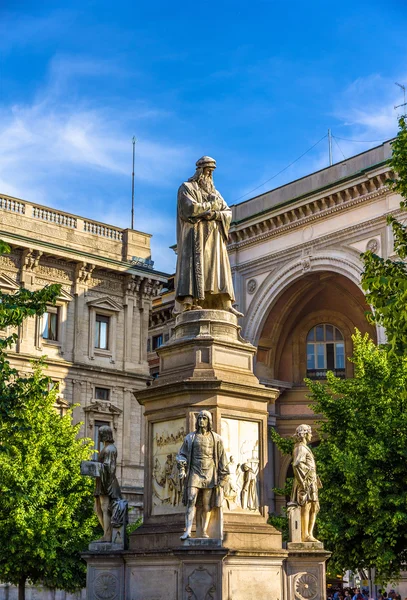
(205, 182)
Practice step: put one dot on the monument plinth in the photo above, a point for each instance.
(205, 533)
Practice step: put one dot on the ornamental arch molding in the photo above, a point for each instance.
(278, 281)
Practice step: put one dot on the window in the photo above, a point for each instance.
(102, 332)
(50, 324)
(102, 393)
(166, 337)
(157, 341)
(148, 345)
(325, 351)
(96, 439)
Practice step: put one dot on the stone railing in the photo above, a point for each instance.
(13, 205)
(107, 231)
(74, 232)
(53, 216)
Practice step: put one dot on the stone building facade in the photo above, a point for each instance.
(295, 257)
(95, 339)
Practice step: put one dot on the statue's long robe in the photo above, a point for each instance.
(203, 262)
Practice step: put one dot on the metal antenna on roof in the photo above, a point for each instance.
(132, 184)
(330, 147)
(403, 87)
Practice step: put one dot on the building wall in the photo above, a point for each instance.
(93, 263)
(295, 257)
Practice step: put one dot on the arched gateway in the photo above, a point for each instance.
(302, 319)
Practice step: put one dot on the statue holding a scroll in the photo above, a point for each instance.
(203, 278)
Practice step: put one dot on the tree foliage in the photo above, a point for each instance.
(46, 514)
(362, 457)
(362, 462)
(385, 280)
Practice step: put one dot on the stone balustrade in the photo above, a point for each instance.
(72, 231)
(12, 204)
(39, 212)
(114, 233)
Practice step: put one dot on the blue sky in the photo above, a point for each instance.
(253, 84)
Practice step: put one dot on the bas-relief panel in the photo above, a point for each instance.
(166, 486)
(241, 440)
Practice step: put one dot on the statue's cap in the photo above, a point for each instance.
(206, 161)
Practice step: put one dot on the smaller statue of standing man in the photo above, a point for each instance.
(306, 483)
(110, 507)
(202, 465)
(204, 278)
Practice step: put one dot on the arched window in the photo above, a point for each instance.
(325, 351)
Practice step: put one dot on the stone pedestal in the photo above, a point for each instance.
(205, 365)
(305, 571)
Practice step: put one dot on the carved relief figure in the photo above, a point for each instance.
(166, 484)
(248, 495)
(204, 278)
(230, 486)
(241, 485)
(306, 482)
(202, 467)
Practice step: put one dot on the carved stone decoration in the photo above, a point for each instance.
(166, 485)
(106, 586)
(306, 586)
(373, 246)
(242, 450)
(251, 286)
(104, 410)
(306, 264)
(200, 585)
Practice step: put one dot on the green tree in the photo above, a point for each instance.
(46, 515)
(362, 455)
(385, 280)
(362, 462)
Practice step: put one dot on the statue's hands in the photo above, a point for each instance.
(181, 465)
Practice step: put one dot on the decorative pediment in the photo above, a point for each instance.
(105, 303)
(65, 296)
(102, 406)
(103, 410)
(7, 284)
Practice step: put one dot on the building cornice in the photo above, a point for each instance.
(277, 222)
(126, 268)
(308, 247)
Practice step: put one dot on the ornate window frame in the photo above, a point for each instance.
(101, 410)
(8, 286)
(107, 307)
(61, 305)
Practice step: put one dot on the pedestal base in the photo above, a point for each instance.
(192, 572)
(305, 571)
